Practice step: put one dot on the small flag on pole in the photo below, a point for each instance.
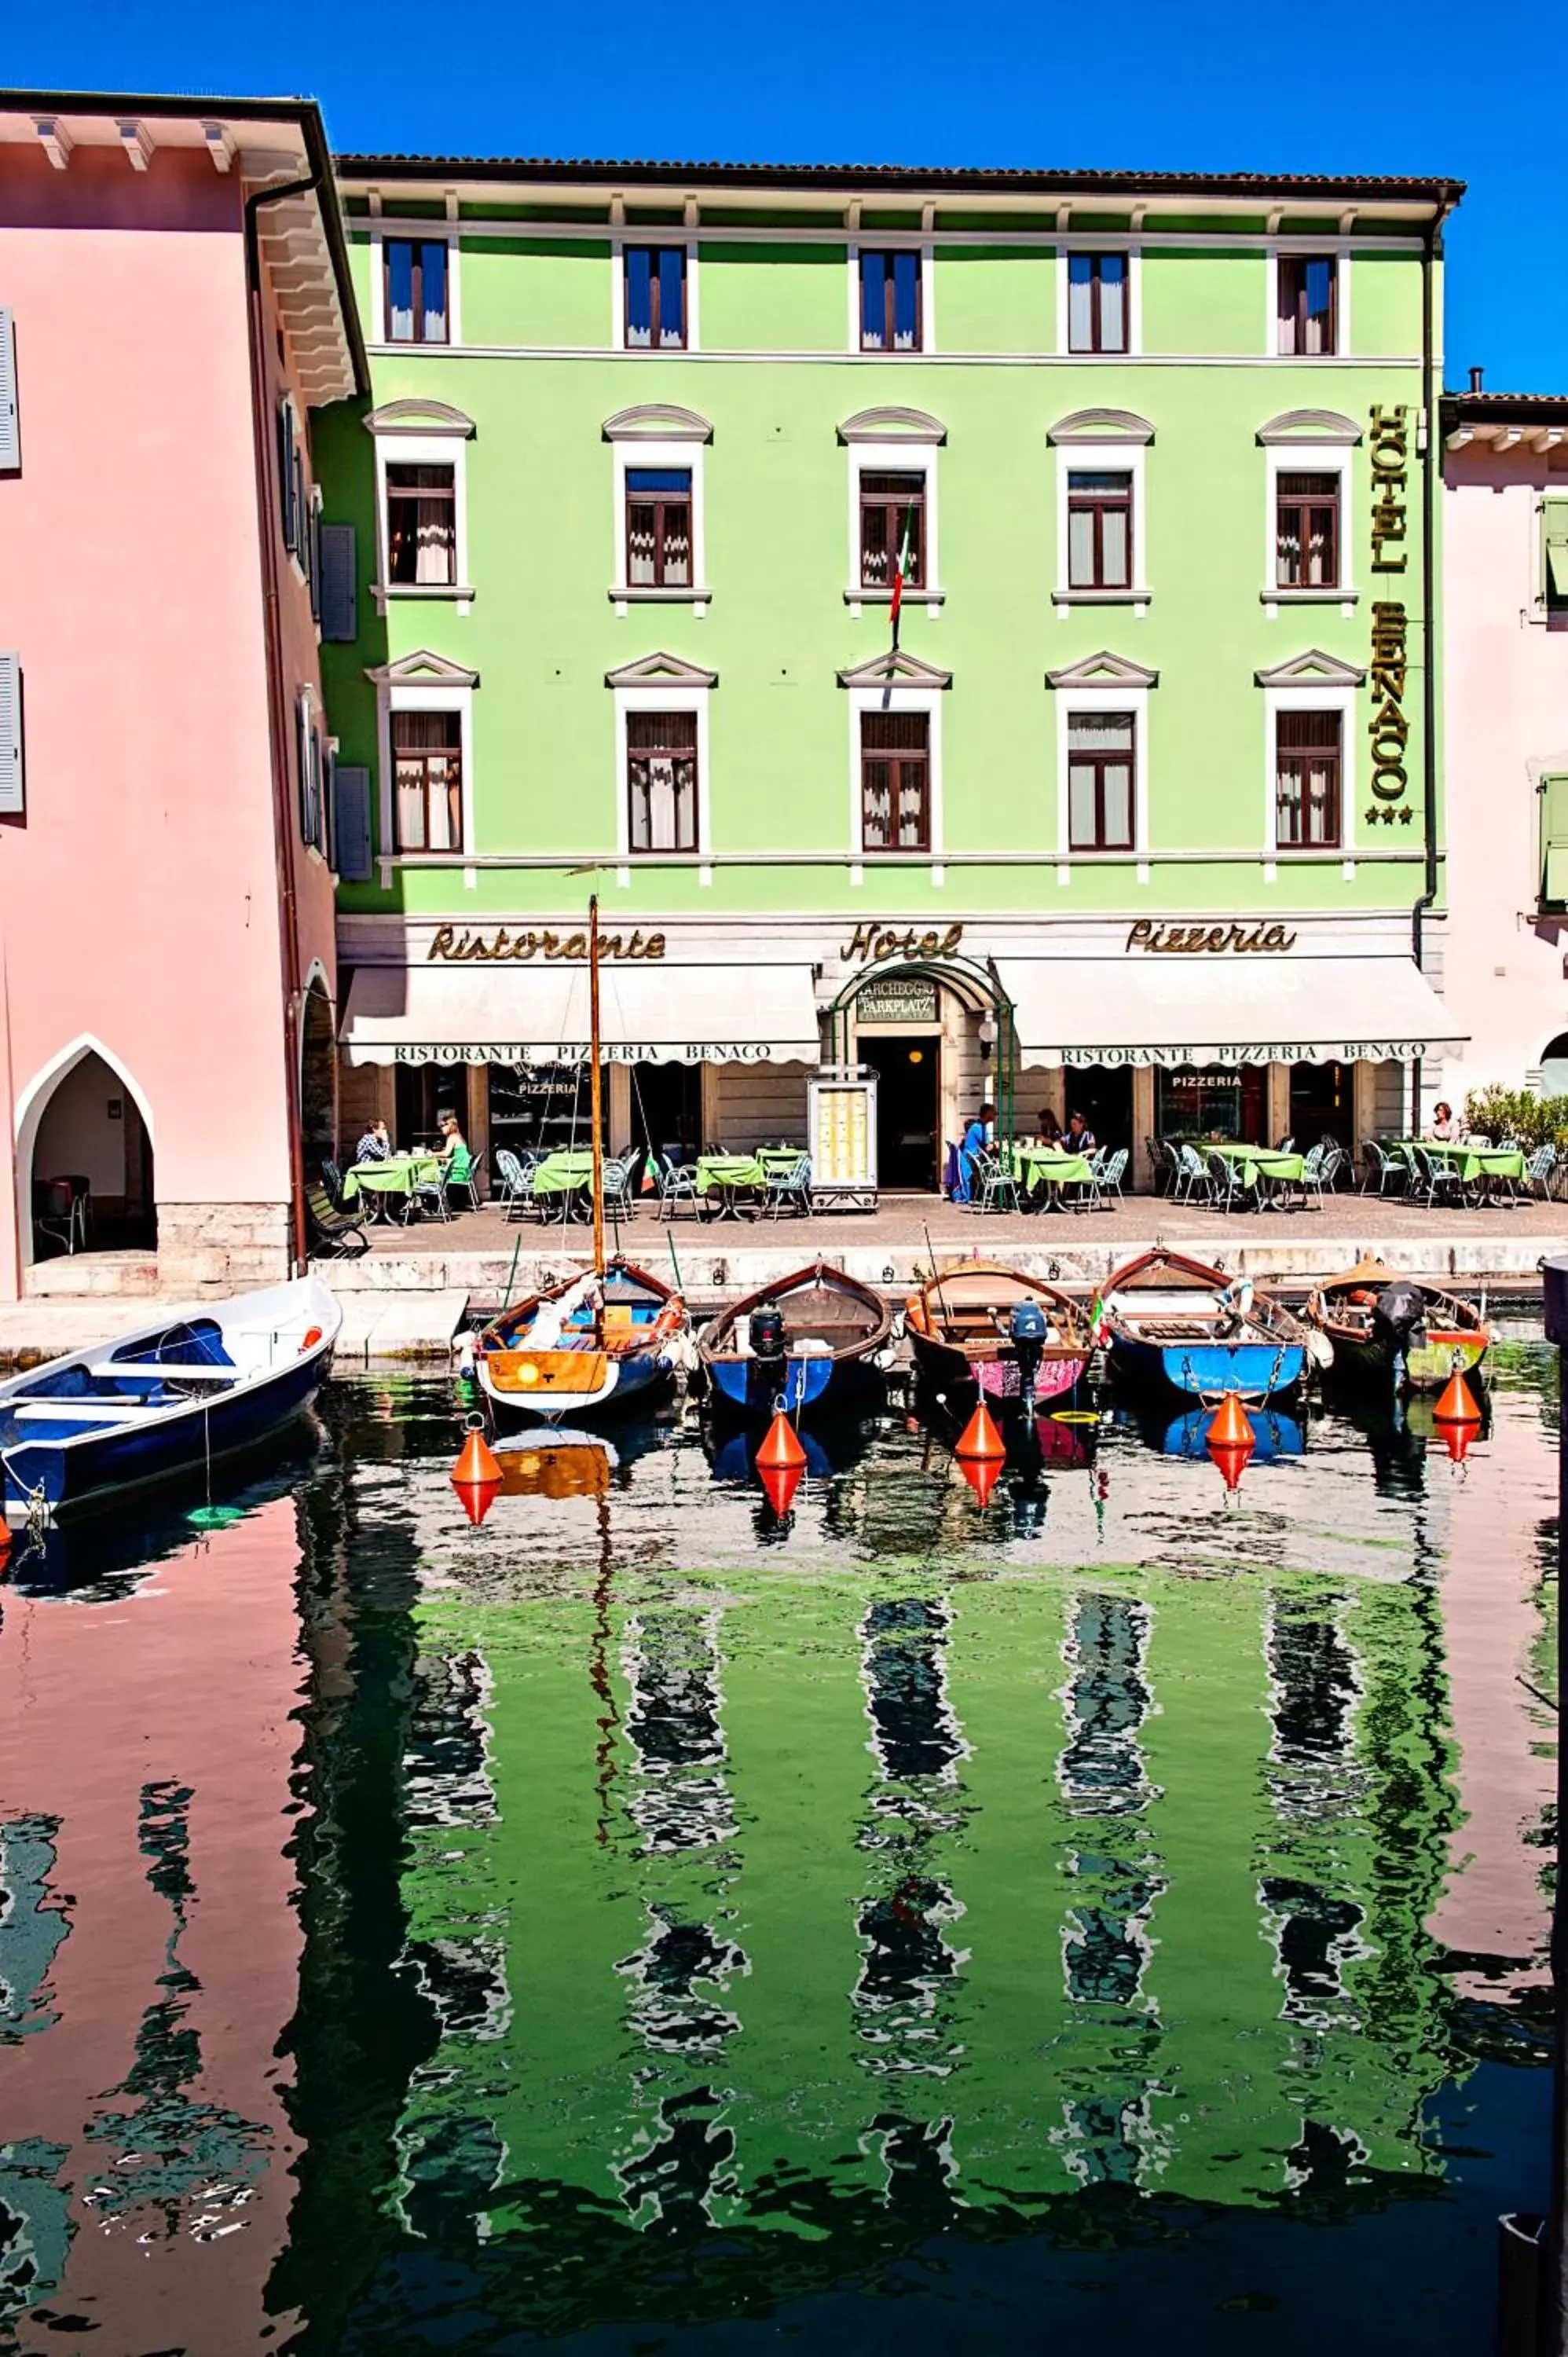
(1097, 1322)
(901, 568)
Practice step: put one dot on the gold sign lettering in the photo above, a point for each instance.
(1387, 730)
(1255, 940)
(880, 941)
(454, 947)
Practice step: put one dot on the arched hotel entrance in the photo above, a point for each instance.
(940, 1034)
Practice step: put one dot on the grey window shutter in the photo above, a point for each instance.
(286, 476)
(351, 791)
(340, 561)
(10, 427)
(12, 802)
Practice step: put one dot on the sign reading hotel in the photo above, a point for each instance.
(877, 943)
(1387, 727)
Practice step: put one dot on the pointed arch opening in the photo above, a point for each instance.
(317, 1075)
(84, 1158)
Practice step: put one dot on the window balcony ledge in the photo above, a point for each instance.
(1100, 597)
(885, 598)
(427, 592)
(649, 594)
(1273, 599)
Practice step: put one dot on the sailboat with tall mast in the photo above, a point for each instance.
(596, 1340)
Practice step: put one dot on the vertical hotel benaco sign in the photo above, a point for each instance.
(1387, 727)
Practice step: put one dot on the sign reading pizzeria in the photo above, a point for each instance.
(1188, 940)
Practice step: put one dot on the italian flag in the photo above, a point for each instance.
(901, 568)
(1097, 1322)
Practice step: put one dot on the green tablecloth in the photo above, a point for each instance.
(1264, 1162)
(779, 1157)
(399, 1174)
(564, 1173)
(1044, 1166)
(715, 1170)
(1470, 1161)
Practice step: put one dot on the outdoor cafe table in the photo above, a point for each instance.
(1261, 1162)
(399, 1174)
(1475, 1164)
(728, 1176)
(568, 1174)
(1043, 1168)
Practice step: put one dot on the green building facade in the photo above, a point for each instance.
(1137, 808)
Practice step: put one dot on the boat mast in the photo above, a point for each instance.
(595, 1084)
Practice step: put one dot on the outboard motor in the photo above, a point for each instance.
(1029, 1333)
(768, 1337)
(1399, 1318)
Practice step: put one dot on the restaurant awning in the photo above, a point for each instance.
(1227, 1008)
(652, 1014)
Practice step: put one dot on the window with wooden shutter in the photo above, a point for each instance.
(1555, 561)
(10, 423)
(12, 798)
(288, 479)
(339, 571)
(1553, 821)
(351, 823)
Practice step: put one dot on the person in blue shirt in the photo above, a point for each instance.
(981, 1132)
(375, 1146)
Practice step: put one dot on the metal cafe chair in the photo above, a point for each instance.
(1435, 1176)
(998, 1189)
(469, 1181)
(1191, 1180)
(1232, 1185)
(1537, 1172)
(1111, 1174)
(789, 1191)
(1387, 1169)
(677, 1183)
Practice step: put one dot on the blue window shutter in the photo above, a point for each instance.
(10, 428)
(351, 794)
(339, 563)
(11, 802)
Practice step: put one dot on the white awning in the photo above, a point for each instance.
(1226, 1008)
(652, 1013)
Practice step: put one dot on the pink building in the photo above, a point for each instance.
(1505, 559)
(174, 302)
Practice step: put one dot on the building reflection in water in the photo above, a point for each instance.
(149, 1947)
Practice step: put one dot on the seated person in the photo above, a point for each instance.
(981, 1132)
(1443, 1129)
(1050, 1127)
(375, 1146)
(452, 1149)
(1078, 1137)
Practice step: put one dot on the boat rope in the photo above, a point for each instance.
(35, 1501)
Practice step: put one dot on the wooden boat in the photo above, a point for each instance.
(1177, 1321)
(578, 1348)
(960, 1324)
(1454, 1335)
(831, 1332)
(169, 1399)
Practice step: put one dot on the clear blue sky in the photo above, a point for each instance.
(1444, 89)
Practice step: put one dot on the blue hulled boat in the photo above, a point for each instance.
(170, 1399)
(813, 1340)
(1178, 1322)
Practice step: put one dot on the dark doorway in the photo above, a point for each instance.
(907, 1069)
(1104, 1098)
(667, 1109)
(1322, 1103)
(424, 1091)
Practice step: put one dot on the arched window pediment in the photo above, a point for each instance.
(416, 415)
(1099, 426)
(893, 424)
(1321, 428)
(657, 421)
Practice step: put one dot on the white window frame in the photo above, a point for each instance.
(632, 452)
(424, 450)
(1329, 697)
(658, 236)
(1339, 248)
(433, 232)
(896, 242)
(1107, 457)
(662, 695)
(896, 455)
(1308, 459)
(424, 696)
(1110, 698)
(1134, 254)
(897, 695)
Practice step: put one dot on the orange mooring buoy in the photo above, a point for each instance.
(1456, 1439)
(1457, 1405)
(1230, 1429)
(781, 1448)
(477, 1498)
(983, 1474)
(980, 1437)
(780, 1483)
(477, 1464)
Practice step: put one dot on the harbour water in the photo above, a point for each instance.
(641, 1923)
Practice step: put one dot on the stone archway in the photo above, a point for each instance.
(84, 1159)
(317, 1079)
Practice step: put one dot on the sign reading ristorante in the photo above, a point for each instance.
(459, 948)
